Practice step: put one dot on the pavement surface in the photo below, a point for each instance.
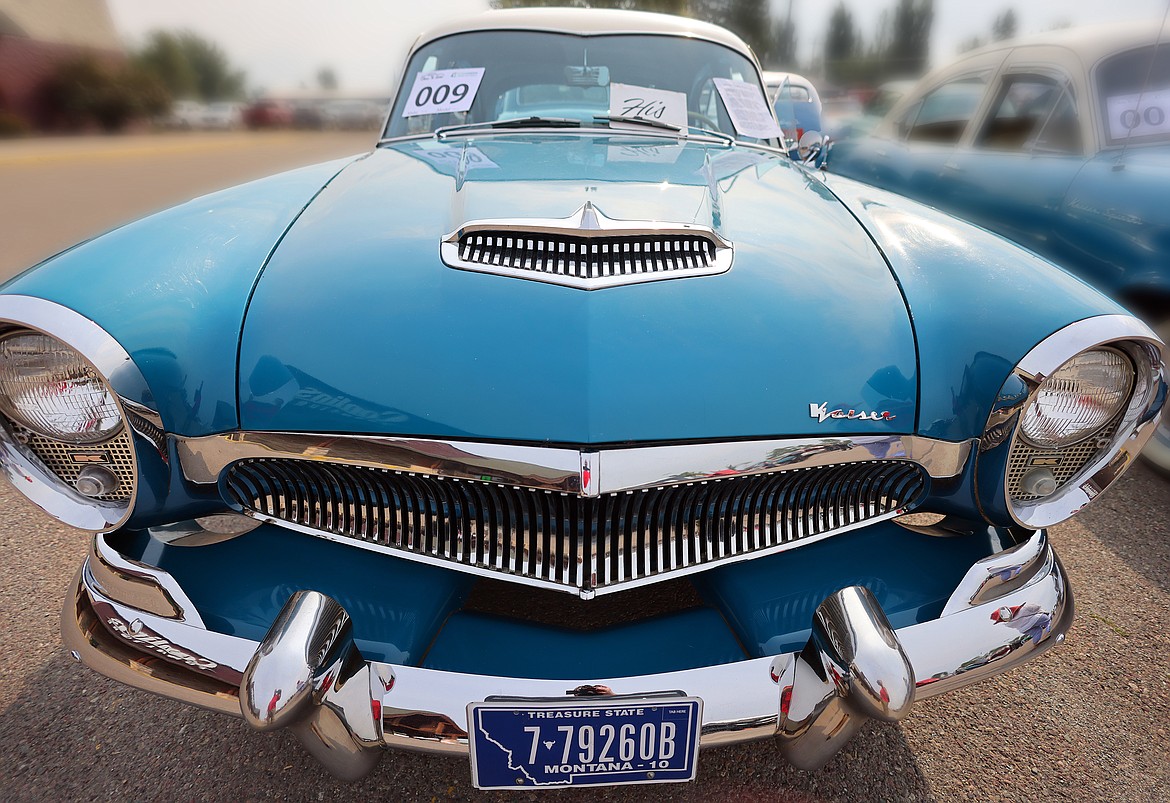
(1088, 721)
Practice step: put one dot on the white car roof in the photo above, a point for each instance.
(587, 21)
(1091, 43)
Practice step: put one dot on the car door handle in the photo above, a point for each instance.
(954, 167)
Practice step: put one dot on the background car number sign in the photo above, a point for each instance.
(441, 91)
(1129, 119)
(550, 744)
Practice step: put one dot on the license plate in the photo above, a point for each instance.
(601, 741)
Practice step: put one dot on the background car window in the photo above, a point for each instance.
(943, 114)
(1133, 89)
(1032, 113)
(794, 93)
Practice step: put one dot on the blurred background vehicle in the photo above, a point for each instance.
(795, 101)
(184, 115)
(354, 115)
(269, 113)
(1060, 142)
(222, 116)
(860, 118)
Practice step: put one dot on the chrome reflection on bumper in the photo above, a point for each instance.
(585, 472)
(308, 675)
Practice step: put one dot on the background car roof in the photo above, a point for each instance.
(586, 21)
(1092, 42)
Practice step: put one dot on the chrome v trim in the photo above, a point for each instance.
(582, 471)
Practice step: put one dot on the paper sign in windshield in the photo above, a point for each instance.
(1139, 115)
(749, 112)
(656, 105)
(442, 91)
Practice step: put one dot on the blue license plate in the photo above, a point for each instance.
(557, 743)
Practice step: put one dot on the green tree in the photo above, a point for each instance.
(841, 44)
(1004, 26)
(327, 79)
(783, 51)
(662, 6)
(190, 66)
(85, 91)
(910, 47)
(752, 22)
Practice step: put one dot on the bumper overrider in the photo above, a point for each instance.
(135, 624)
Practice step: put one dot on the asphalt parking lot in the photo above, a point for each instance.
(1089, 721)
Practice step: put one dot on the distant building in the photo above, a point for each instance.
(36, 36)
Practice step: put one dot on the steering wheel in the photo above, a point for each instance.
(702, 121)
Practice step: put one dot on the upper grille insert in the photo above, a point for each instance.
(586, 544)
(587, 250)
(587, 257)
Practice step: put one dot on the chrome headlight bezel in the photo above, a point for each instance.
(20, 464)
(1104, 454)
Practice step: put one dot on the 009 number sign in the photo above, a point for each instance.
(443, 91)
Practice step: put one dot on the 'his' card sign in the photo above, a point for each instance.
(656, 105)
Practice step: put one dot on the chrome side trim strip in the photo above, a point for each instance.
(585, 472)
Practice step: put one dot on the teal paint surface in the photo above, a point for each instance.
(171, 289)
(387, 339)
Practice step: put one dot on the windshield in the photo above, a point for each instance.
(485, 76)
(1134, 90)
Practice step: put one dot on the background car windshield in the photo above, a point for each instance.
(1126, 79)
(527, 73)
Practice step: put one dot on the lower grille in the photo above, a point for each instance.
(587, 544)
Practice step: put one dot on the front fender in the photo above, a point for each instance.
(978, 303)
(172, 289)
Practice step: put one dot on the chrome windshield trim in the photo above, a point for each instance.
(582, 471)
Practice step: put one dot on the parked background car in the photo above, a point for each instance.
(514, 422)
(1030, 139)
(795, 102)
(269, 113)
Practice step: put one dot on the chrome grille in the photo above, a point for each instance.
(588, 544)
(587, 257)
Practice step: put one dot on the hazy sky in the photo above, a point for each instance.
(282, 43)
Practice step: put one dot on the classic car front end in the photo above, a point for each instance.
(571, 442)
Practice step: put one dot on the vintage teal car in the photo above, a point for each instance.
(1060, 142)
(572, 428)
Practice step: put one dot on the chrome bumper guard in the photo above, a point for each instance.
(133, 623)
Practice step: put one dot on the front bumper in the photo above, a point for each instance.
(134, 623)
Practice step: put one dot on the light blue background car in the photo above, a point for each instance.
(1039, 140)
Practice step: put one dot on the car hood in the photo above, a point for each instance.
(357, 326)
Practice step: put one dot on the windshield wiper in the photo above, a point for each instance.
(619, 118)
(616, 118)
(511, 122)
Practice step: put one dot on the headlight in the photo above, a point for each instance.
(52, 390)
(1080, 398)
(1069, 420)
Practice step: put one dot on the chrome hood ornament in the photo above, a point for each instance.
(587, 250)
